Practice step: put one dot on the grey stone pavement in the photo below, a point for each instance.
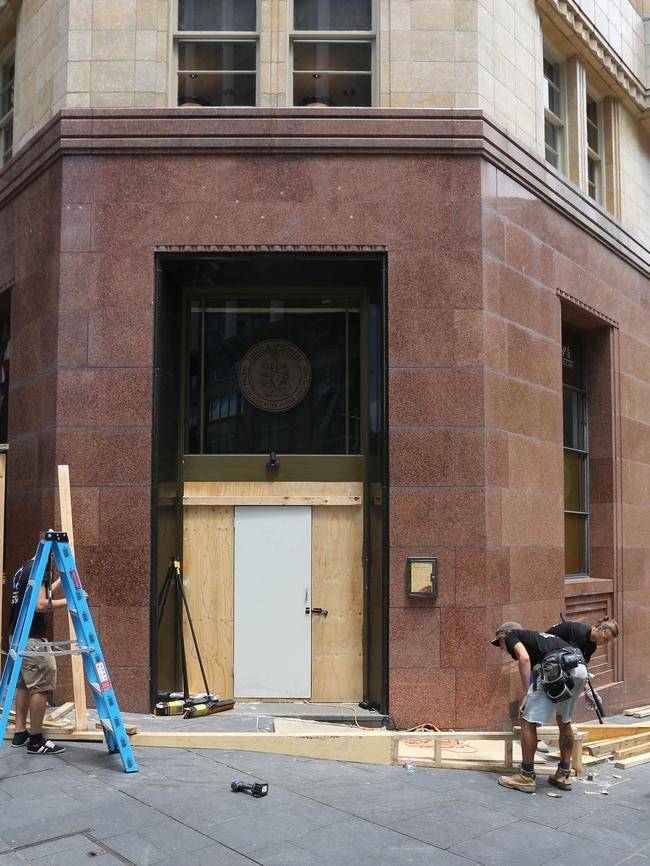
(67, 810)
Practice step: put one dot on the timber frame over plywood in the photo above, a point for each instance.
(337, 578)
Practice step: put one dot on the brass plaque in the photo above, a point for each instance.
(274, 375)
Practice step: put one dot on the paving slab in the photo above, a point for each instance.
(317, 813)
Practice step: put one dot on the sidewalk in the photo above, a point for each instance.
(62, 811)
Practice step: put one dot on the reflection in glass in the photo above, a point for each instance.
(575, 420)
(225, 15)
(575, 544)
(223, 417)
(217, 72)
(332, 73)
(332, 14)
(575, 481)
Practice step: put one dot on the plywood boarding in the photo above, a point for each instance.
(231, 492)
(208, 584)
(337, 586)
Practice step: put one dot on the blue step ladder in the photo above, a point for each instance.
(57, 544)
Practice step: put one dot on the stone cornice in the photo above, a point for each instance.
(358, 132)
(566, 15)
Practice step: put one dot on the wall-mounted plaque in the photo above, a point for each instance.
(422, 576)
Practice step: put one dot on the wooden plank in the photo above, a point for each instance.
(604, 747)
(358, 748)
(279, 489)
(130, 729)
(641, 714)
(337, 586)
(59, 712)
(606, 732)
(287, 499)
(633, 762)
(632, 710)
(78, 681)
(3, 486)
(208, 581)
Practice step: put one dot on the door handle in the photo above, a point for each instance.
(317, 610)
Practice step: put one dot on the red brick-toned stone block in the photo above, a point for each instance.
(421, 456)
(465, 636)
(414, 515)
(423, 695)
(414, 637)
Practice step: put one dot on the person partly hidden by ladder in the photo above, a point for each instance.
(38, 672)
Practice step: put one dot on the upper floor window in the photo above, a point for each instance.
(216, 52)
(594, 149)
(333, 46)
(7, 72)
(554, 111)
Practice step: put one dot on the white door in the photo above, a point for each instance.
(272, 640)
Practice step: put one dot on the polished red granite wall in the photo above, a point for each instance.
(474, 264)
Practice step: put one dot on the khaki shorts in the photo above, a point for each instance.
(38, 674)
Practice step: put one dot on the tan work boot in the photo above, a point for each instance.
(561, 780)
(520, 782)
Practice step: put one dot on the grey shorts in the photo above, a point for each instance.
(38, 674)
(540, 709)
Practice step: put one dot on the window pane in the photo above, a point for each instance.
(592, 125)
(575, 544)
(6, 87)
(332, 15)
(575, 431)
(575, 481)
(332, 89)
(332, 56)
(551, 135)
(592, 178)
(211, 88)
(217, 56)
(552, 87)
(276, 376)
(217, 14)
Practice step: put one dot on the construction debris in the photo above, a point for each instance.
(638, 712)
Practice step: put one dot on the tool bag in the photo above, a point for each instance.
(554, 673)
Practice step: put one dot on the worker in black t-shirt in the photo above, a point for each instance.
(528, 648)
(37, 673)
(586, 638)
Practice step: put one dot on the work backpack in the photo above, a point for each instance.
(555, 673)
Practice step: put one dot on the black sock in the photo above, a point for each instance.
(528, 769)
(36, 739)
(565, 766)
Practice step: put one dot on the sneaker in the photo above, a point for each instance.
(561, 780)
(520, 782)
(20, 738)
(44, 747)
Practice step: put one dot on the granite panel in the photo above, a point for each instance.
(420, 337)
(481, 574)
(124, 514)
(414, 637)
(119, 456)
(460, 628)
(120, 338)
(414, 515)
(423, 695)
(124, 634)
(462, 516)
(413, 396)
(421, 456)
(116, 581)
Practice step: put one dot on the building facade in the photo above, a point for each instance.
(347, 304)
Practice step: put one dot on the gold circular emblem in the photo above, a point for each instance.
(274, 375)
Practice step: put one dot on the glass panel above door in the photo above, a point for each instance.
(274, 374)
